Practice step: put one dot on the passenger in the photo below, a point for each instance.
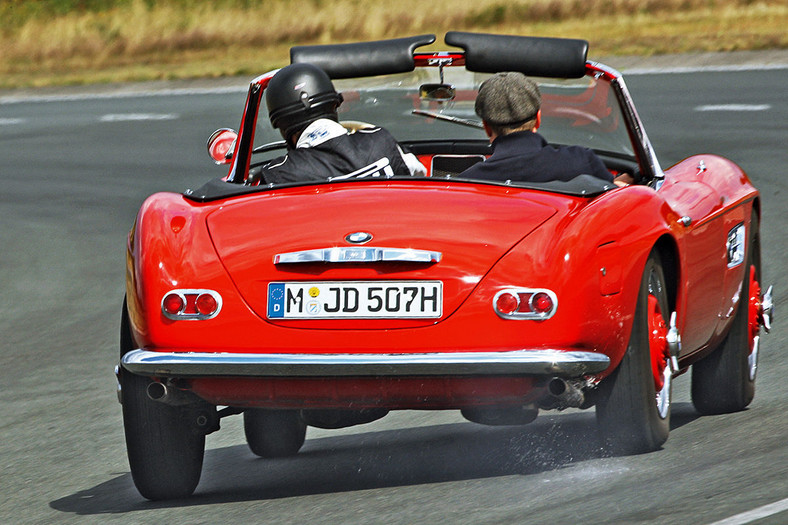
(302, 104)
(509, 105)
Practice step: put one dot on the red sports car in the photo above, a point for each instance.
(330, 302)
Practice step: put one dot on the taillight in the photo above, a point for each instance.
(206, 304)
(525, 303)
(507, 303)
(195, 305)
(173, 304)
(542, 303)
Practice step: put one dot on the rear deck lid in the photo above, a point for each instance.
(317, 251)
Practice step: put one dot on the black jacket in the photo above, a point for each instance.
(526, 156)
(370, 152)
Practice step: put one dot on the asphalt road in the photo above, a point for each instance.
(74, 171)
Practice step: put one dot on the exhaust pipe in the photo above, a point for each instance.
(203, 416)
(163, 393)
(562, 394)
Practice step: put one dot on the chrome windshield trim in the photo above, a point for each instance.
(518, 362)
(357, 254)
(635, 125)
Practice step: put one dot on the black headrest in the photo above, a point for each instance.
(362, 59)
(533, 56)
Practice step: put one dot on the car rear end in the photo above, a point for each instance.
(371, 294)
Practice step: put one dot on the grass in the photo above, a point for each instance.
(57, 42)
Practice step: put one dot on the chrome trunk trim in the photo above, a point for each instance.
(358, 254)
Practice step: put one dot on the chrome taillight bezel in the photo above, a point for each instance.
(189, 296)
(525, 309)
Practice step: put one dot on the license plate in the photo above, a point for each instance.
(355, 300)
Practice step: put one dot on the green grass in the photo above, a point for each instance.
(56, 42)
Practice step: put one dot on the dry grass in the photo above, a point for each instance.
(48, 42)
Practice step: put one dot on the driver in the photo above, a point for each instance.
(509, 105)
(302, 104)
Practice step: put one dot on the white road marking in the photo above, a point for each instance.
(701, 69)
(130, 93)
(755, 514)
(734, 107)
(130, 117)
(11, 121)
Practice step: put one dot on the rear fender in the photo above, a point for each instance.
(169, 248)
(593, 259)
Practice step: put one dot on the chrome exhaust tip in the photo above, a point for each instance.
(168, 394)
(562, 394)
(157, 391)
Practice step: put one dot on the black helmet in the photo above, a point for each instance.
(299, 94)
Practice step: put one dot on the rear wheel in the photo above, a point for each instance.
(724, 381)
(274, 433)
(633, 407)
(164, 445)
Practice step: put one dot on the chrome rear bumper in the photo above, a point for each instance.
(521, 362)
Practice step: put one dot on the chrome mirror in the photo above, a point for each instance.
(221, 145)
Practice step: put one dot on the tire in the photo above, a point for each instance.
(165, 448)
(274, 433)
(633, 404)
(724, 381)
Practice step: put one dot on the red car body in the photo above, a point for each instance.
(533, 294)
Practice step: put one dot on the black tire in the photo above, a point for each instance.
(274, 433)
(165, 447)
(722, 382)
(627, 409)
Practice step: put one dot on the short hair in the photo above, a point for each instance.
(505, 129)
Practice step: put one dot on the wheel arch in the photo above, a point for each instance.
(126, 338)
(668, 252)
(756, 209)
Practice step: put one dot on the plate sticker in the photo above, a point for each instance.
(355, 300)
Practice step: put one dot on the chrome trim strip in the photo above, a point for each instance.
(356, 254)
(518, 362)
(635, 124)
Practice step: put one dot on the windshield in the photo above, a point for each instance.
(574, 111)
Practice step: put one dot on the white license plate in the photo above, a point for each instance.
(355, 300)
